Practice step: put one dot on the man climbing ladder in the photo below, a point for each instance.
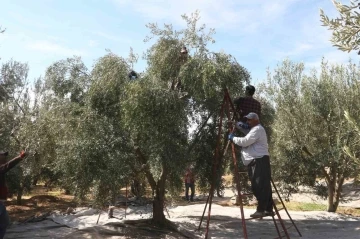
(255, 156)
(227, 107)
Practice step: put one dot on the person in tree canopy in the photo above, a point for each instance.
(246, 105)
(4, 168)
(255, 155)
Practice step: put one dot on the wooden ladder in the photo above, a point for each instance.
(217, 161)
(281, 234)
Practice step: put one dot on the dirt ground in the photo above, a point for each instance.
(39, 202)
(43, 200)
(225, 221)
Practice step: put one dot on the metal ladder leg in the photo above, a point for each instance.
(282, 203)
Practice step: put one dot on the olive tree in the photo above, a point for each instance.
(345, 35)
(15, 111)
(346, 27)
(175, 88)
(310, 130)
(81, 109)
(105, 126)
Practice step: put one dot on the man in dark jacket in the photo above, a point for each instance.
(4, 168)
(248, 104)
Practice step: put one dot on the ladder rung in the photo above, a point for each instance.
(279, 209)
(290, 226)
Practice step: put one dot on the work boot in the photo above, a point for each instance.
(257, 214)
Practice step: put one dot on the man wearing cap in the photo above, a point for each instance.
(255, 156)
(246, 105)
(4, 168)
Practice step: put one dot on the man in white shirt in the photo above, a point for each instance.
(255, 156)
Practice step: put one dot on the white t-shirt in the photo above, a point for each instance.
(254, 144)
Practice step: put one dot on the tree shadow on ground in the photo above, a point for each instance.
(220, 227)
(231, 227)
(38, 204)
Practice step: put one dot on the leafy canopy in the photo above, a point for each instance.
(310, 130)
(346, 27)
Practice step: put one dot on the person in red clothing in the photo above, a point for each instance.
(4, 168)
(189, 183)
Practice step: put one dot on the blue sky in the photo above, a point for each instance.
(259, 33)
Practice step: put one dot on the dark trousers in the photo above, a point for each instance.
(4, 220)
(260, 176)
(192, 187)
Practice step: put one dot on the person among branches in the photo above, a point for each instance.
(4, 168)
(255, 156)
(189, 183)
(247, 104)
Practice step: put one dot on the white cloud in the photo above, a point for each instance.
(15, 36)
(92, 43)
(111, 37)
(310, 41)
(54, 48)
(27, 21)
(299, 49)
(231, 14)
(335, 56)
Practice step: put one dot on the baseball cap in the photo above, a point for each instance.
(4, 153)
(252, 116)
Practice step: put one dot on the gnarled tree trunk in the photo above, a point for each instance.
(335, 182)
(19, 195)
(158, 207)
(157, 187)
(159, 199)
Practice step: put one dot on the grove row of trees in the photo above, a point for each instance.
(94, 130)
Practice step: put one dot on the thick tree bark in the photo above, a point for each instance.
(331, 191)
(335, 183)
(158, 210)
(157, 187)
(159, 199)
(338, 191)
(143, 160)
(35, 181)
(19, 196)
